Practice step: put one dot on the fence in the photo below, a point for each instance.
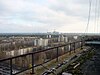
(51, 53)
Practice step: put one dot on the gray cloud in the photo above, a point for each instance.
(45, 15)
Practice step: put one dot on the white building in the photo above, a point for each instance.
(18, 52)
(75, 37)
(35, 42)
(61, 38)
(40, 42)
(65, 39)
(48, 36)
(45, 42)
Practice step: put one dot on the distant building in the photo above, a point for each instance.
(48, 36)
(40, 42)
(45, 42)
(75, 37)
(65, 39)
(35, 42)
(61, 38)
(55, 32)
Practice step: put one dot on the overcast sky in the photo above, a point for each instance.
(29, 16)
